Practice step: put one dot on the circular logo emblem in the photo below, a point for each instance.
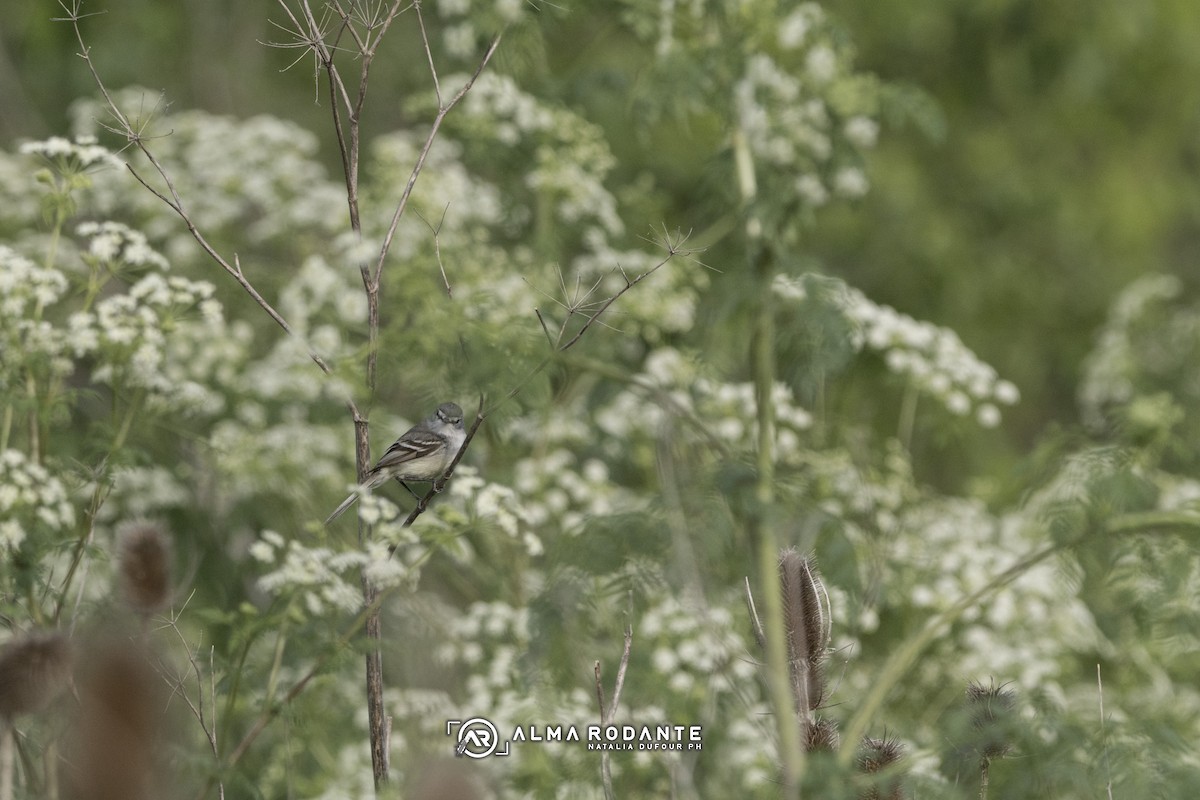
(477, 738)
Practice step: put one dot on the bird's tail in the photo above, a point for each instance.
(337, 512)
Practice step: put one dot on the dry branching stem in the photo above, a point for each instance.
(171, 197)
(609, 712)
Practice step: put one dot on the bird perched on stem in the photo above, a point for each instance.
(422, 453)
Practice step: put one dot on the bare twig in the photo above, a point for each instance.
(348, 133)
(609, 712)
(674, 249)
(545, 329)
(171, 197)
(755, 622)
(197, 707)
(624, 665)
(443, 110)
(437, 247)
(437, 86)
(600, 692)
(674, 246)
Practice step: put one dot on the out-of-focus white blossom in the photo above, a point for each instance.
(31, 499)
(113, 242)
(81, 155)
(724, 410)
(863, 131)
(933, 358)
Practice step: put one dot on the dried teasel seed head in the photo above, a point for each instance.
(806, 620)
(34, 669)
(876, 756)
(991, 708)
(144, 557)
(821, 735)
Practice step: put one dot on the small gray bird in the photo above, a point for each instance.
(422, 453)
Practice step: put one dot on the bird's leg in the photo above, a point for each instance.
(410, 491)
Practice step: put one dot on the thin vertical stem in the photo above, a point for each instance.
(759, 522)
(7, 762)
(908, 414)
(377, 720)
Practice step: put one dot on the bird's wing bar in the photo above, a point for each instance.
(410, 447)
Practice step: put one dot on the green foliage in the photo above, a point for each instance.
(618, 483)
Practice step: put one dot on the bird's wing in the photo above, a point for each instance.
(414, 445)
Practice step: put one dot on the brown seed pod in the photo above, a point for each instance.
(144, 559)
(34, 669)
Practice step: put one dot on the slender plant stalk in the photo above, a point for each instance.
(609, 712)
(908, 414)
(6, 427)
(759, 523)
(7, 762)
(1104, 735)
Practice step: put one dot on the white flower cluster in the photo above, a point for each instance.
(950, 549)
(115, 243)
(933, 358)
(786, 116)
(322, 577)
(143, 493)
(753, 750)
(254, 169)
(696, 649)
(858, 495)
(579, 188)
(571, 156)
(69, 157)
(263, 458)
(499, 505)
(784, 128)
(26, 339)
(489, 639)
(563, 494)
(458, 201)
(491, 642)
(31, 498)
(485, 623)
(460, 33)
(699, 653)
(722, 410)
(315, 286)
(25, 288)
(794, 29)
(132, 336)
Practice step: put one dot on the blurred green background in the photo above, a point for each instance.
(1035, 159)
(1057, 161)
